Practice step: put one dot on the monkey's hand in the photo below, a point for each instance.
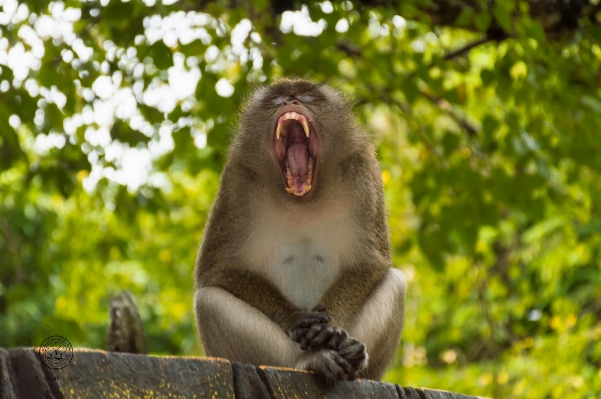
(312, 330)
(305, 321)
(354, 352)
(326, 337)
(335, 338)
(322, 336)
(328, 364)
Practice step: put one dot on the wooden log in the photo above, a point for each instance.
(99, 374)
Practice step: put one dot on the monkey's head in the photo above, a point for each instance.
(298, 130)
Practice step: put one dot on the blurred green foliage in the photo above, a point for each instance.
(491, 162)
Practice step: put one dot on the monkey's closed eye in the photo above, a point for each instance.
(305, 98)
(279, 100)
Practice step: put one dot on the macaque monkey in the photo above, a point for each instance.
(294, 269)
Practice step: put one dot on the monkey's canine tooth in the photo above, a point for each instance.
(305, 126)
(278, 131)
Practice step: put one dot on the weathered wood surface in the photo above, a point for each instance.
(99, 374)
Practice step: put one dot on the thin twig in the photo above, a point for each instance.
(455, 53)
(466, 48)
(446, 107)
(426, 140)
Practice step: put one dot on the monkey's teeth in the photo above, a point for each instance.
(289, 177)
(310, 170)
(305, 191)
(296, 117)
(305, 126)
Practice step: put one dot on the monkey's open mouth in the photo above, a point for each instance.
(295, 147)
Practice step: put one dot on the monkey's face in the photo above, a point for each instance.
(295, 143)
(299, 130)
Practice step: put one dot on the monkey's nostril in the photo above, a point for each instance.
(294, 102)
(285, 102)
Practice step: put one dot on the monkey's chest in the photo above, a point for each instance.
(302, 260)
(303, 271)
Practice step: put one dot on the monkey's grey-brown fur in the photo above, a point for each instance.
(300, 280)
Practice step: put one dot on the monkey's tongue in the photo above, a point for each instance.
(298, 155)
(298, 175)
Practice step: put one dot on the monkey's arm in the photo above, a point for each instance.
(231, 328)
(262, 295)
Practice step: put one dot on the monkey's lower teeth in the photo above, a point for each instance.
(299, 194)
(290, 179)
(310, 171)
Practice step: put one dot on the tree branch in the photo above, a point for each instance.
(446, 107)
(466, 48)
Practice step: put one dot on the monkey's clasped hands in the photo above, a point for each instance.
(313, 331)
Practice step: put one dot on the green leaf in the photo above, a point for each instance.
(466, 17)
(502, 11)
(482, 21)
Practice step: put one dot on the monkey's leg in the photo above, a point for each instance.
(233, 329)
(380, 322)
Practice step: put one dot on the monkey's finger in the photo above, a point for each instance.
(354, 353)
(323, 336)
(348, 341)
(335, 368)
(322, 317)
(337, 338)
(329, 338)
(347, 349)
(313, 332)
(332, 342)
(298, 333)
(329, 365)
(356, 357)
(320, 308)
(308, 323)
(311, 318)
(344, 365)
